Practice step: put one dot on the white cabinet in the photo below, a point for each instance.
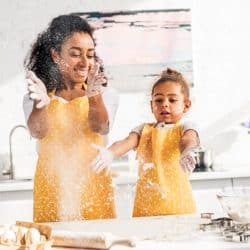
(13, 210)
(241, 182)
(124, 199)
(206, 201)
(18, 205)
(205, 191)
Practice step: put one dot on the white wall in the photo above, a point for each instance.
(221, 37)
(221, 53)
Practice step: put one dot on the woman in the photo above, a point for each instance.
(69, 109)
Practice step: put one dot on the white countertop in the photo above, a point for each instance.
(205, 242)
(130, 178)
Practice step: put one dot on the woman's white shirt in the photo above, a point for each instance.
(109, 95)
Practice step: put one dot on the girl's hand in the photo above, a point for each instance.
(188, 159)
(37, 90)
(103, 160)
(95, 80)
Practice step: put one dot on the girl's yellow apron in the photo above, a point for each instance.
(162, 187)
(65, 187)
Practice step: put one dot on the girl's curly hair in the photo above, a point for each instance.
(173, 76)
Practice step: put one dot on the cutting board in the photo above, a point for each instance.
(143, 228)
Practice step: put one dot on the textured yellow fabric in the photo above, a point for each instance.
(162, 187)
(65, 187)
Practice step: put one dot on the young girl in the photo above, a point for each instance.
(165, 151)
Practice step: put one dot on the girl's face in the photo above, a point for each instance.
(168, 102)
(75, 58)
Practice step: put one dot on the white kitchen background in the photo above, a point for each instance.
(221, 56)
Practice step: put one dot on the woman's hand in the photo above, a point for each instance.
(103, 160)
(37, 90)
(95, 80)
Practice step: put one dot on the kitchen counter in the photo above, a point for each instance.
(125, 177)
(205, 241)
(181, 232)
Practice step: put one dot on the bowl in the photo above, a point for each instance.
(236, 203)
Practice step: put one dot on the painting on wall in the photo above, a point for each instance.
(136, 46)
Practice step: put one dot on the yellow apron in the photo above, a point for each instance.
(162, 187)
(65, 187)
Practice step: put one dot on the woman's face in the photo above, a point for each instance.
(168, 102)
(75, 58)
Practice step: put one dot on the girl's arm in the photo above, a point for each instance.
(121, 147)
(189, 145)
(190, 139)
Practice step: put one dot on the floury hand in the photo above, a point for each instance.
(37, 90)
(95, 80)
(103, 160)
(188, 159)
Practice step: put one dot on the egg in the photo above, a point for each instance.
(8, 237)
(32, 236)
(21, 235)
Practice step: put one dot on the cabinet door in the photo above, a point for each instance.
(11, 211)
(206, 201)
(124, 200)
(241, 182)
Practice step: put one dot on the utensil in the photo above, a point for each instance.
(204, 160)
(90, 240)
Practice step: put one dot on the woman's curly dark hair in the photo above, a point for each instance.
(39, 58)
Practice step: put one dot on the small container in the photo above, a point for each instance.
(236, 203)
(204, 161)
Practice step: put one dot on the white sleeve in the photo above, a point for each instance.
(27, 107)
(138, 129)
(187, 125)
(111, 100)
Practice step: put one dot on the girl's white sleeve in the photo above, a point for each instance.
(187, 125)
(138, 129)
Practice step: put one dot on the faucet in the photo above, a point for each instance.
(10, 171)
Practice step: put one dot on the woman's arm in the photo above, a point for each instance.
(35, 106)
(38, 122)
(98, 115)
